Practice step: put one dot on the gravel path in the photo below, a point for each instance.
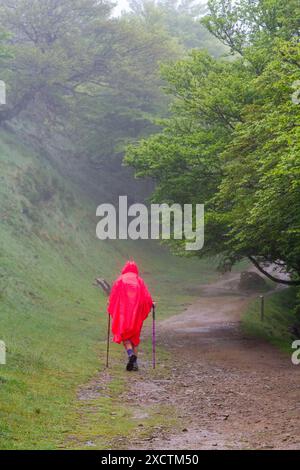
(230, 391)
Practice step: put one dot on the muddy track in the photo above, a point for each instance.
(226, 391)
(229, 391)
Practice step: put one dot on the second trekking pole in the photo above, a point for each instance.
(108, 339)
(153, 338)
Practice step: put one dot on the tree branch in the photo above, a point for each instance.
(270, 276)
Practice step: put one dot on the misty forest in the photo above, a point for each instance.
(164, 101)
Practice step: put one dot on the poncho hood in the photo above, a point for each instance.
(130, 267)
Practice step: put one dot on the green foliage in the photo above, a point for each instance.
(106, 117)
(262, 169)
(4, 49)
(232, 141)
(180, 19)
(49, 62)
(243, 23)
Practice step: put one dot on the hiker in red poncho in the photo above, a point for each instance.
(129, 305)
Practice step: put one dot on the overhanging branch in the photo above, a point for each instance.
(270, 276)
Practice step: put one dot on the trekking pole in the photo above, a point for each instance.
(107, 289)
(153, 338)
(108, 338)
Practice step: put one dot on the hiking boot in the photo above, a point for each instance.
(131, 363)
(135, 367)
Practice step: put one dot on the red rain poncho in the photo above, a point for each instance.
(129, 305)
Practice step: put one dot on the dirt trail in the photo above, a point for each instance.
(229, 391)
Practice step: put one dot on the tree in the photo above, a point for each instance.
(233, 138)
(108, 116)
(262, 170)
(151, 34)
(243, 23)
(180, 19)
(80, 72)
(57, 46)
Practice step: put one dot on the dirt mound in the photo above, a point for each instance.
(251, 281)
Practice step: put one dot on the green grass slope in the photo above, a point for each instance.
(51, 317)
(280, 315)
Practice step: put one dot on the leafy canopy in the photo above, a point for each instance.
(232, 141)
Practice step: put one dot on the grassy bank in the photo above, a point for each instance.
(51, 317)
(279, 317)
